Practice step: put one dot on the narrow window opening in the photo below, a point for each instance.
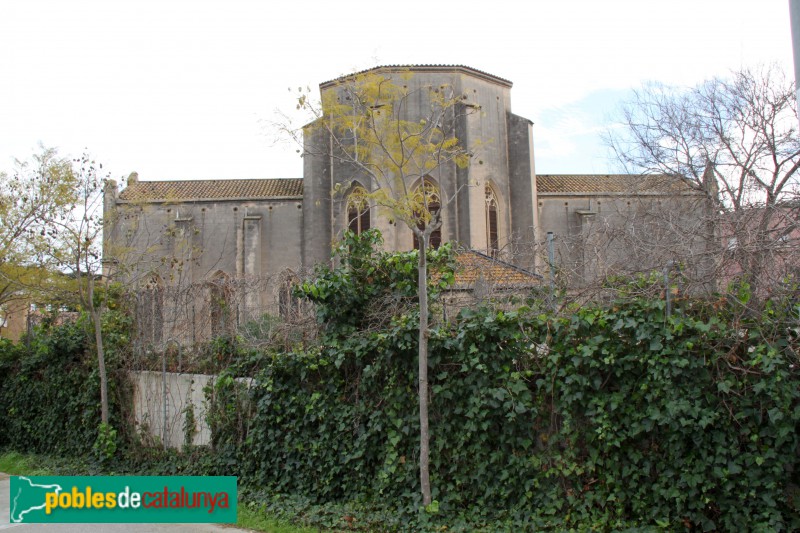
(433, 203)
(220, 309)
(492, 238)
(151, 319)
(358, 219)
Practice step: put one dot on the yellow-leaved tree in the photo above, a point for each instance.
(51, 225)
(396, 134)
(38, 190)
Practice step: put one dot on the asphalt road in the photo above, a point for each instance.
(5, 525)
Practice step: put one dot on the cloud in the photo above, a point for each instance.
(567, 138)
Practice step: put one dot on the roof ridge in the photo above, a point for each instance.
(427, 66)
(612, 183)
(610, 174)
(217, 179)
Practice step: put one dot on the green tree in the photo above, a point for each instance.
(369, 288)
(395, 134)
(52, 230)
(38, 190)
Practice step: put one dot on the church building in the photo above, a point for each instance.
(259, 234)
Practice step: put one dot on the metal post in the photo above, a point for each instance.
(164, 396)
(666, 287)
(671, 265)
(164, 382)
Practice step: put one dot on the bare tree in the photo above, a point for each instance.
(396, 135)
(736, 140)
(77, 249)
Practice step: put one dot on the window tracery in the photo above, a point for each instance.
(358, 216)
(492, 234)
(426, 197)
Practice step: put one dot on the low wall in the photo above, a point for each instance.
(182, 391)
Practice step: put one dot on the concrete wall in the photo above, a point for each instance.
(183, 390)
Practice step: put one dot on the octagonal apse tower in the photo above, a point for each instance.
(489, 205)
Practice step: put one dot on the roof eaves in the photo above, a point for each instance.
(207, 200)
(628, 193)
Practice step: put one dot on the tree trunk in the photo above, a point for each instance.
(424, 432)
(101, 358)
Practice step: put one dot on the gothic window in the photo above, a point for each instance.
(493, 242)
(220, 305)
(358, 211)
(151, 317)
(288, 303)
(432, 201)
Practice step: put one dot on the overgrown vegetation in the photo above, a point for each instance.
(49, 399)
(607, 417)
(611, 417)
(616, 416)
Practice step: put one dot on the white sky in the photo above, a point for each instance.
(183, 89)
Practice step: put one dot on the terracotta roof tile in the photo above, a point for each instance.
(473, 266)
(154, 191)
(611, 183)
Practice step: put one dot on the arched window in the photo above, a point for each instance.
(288, 303)
(358, 210)
(151, 317)
(492, 240)
(220, 305)
(428, 207)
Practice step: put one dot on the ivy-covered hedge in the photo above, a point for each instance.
(613, 417)
(690, 420)
(50, 389)
(608, 417)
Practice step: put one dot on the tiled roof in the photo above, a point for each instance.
(161, 191)
(473, 267)
(424, 68)
(611, 183)
(154, 191)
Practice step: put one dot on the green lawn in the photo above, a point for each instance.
(254, 517)
(18, 464)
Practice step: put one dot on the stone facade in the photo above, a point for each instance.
(620, 224)
(502, 144)
(258, 234)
